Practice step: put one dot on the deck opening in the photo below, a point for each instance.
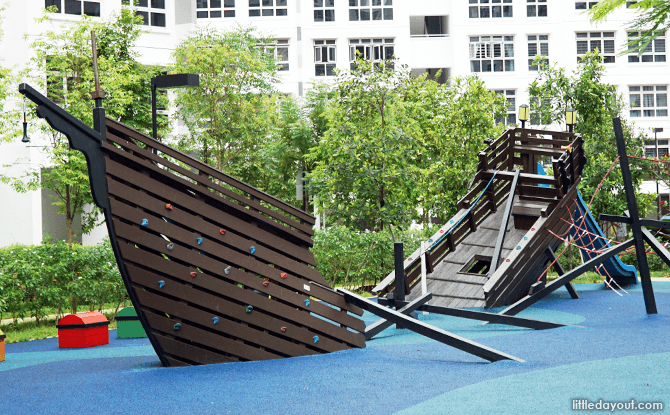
(479, 264)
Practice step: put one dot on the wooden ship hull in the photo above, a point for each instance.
(217, 270)
(459, 261)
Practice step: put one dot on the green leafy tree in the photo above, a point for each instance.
(233, 111)
(64, 56)
(6, 121)
(596, 103)
(653, 20)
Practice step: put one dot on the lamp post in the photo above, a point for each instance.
(169, 81)
(570, 119)
(523, 114)
(658, 195)
(25, 125)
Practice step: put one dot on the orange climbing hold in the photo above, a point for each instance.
(283, 275)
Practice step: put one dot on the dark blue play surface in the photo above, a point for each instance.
(613, 351)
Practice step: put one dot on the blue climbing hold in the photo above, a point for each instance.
(215, 320)
(316, 339)
(177, 326)
(525, 238)
(145, 222)
(252, 249)
(451, 221)
(430, 240)
(199, 241)
(306, 303)
(170, 246)
(161, 283)
(250, 309)
(226, 271)
(518, 247)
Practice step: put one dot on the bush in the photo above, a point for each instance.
(53, 277)
(355, 258)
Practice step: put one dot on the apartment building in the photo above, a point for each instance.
(495, 39)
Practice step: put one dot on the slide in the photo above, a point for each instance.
(622, 273)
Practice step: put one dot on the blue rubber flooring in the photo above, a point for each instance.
(612, 351)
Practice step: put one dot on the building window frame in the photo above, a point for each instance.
(75, 7)
(648, 101)
(370, 10)
(214, 9)
(492, 53)
(536, 8)
(153, 12)
(268, 8)
(582, 5)
(324, 11)
(325, 57)
(279, 49)
(483, 9)
(604, 41)
(510, 96)
(537, 45)
(376, 49)
(653, 53)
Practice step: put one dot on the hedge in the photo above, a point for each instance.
(39, 279)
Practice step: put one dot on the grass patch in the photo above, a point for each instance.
(30, 330)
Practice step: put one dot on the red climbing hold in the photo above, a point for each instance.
(283, 275)
(441, 231)
(410, 259)
(193, 274)
(222, 231)
(266, 283)
(168, 206)
(507, 260)
(283, 329)
(532, 229)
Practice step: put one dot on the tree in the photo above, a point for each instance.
(596, 103)
(232, 111)
(64, 56)
(653, 20)
(5, 85)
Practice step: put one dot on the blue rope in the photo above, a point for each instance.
(466, 213)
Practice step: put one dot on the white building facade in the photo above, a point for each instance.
(495, 39)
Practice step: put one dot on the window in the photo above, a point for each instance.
(324, 58)
(650, 149)
(428, 26)
(603, 41)
(75, 7)
(483, 10)
(324, 10)
(654, 52)
(630, 3)
(510, 96)
(581, 5)
(491, 53)
(537, 45)
(536, 10)
(279, 49)
(653, 100)
(432, 74)
(212, 8)
(362, 10)
(268, 8)
(374, 49)
(153, 14)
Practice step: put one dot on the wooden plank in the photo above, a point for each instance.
(222, 219)
(152, 185)
(295, 299)
(121, 130)
(188, 352)
(199, 336)
(230, 327)
(523, 177)
(207, 184)
(377, 327)
(538, 151)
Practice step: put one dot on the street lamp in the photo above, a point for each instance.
(658, 195)
(169, 81)
(523, 115)
(25, 125)
(570, 118)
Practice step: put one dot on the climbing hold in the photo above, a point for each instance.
(199, 240)
(441, 230)
(170, 246)
(283, 275)
(252, 249)
(316, 339)
(145, 222)
(227, 271)
(161, 283)
(532, 229)
(168, 206)
(283, 329)
(507, 260)
(525, 238)
(249, 309)
(518, 247)
(306, 303)
(215, 320)
(410, 258)
(177, 326)
(266, 283)
(430, 240)
(193, 274)
(222, 231)
(451, 221)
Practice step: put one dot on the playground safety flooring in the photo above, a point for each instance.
(613, 351)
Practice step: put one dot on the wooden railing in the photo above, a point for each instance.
(515, 148)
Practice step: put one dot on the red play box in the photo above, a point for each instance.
(83, 330)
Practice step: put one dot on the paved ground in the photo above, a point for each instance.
(613, 351)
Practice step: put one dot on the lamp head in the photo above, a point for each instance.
(570, 116)
(524, 111)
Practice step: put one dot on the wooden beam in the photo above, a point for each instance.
(427, 330)
(559, 270)
(377, 327)
(495, 260)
